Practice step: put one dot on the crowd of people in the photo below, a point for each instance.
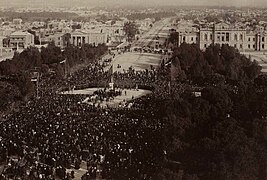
(55, 132)
(106, 94)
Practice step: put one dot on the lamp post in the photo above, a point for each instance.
(1, 50)
(37, 87)
(1, 47)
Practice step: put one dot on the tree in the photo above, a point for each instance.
(59, 71)
(261, 81)
(76, 26)
(130, 29)
(176, 71)
(51, 54)
(23, 81)
(173, 38)
(113, 22)
(66, 39)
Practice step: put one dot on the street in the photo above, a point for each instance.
(137, 60)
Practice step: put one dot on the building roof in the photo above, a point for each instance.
(78, 33)
(20, 33)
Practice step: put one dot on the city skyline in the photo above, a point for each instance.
(92, 3)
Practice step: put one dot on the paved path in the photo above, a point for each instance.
(260, 57)
(142, 61)
(130, 94)
(147, 38)
(139, 61)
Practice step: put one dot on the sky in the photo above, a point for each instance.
(40, 3)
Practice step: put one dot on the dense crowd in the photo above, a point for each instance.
(53, 133)
(105, 94)
(132, 78)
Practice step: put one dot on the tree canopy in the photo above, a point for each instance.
(130, 29)
(220, 134)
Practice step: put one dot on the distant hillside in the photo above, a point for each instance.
(30, 16)
(157, 15)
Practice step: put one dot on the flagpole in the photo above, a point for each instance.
(170, 84)
(112, 80)
(111, 84)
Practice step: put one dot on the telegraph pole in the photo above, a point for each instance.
(37, 87)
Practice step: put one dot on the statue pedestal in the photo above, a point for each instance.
(111, 85)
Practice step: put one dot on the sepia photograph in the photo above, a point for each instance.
(133, 90)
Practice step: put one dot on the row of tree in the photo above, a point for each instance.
(221, 134)
(16, 73)
(190, 63)
(31, 57)
(37, 16)
(157, 16)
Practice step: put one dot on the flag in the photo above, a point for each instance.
(61, 62)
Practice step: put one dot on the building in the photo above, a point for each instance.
(224, 33)
(114, 30)
(21, 40)
(17, 21)
(60, 39)
(79, 37)
(97, 38)
(1, 45)
(6, 31)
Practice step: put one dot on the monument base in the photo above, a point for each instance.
(111, 85)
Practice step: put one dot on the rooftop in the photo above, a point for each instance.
(19, 33)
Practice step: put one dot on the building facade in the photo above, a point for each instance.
(79, 38)
(21, 40)
(223, 33)
(60, 39)
(1, 45)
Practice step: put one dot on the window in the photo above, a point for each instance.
(248, 39)
(253, 45)
(262, 39)
(205, 45)
(235, 37)
(227, 37)
(211, 37)
(253, 39)
(218, 38)
(241, 37)
(262, 46)
(222, 38)
(206, 37)
(249, 46)
(184, 38)
(241, 46)
(192, 39)
(235, 46)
